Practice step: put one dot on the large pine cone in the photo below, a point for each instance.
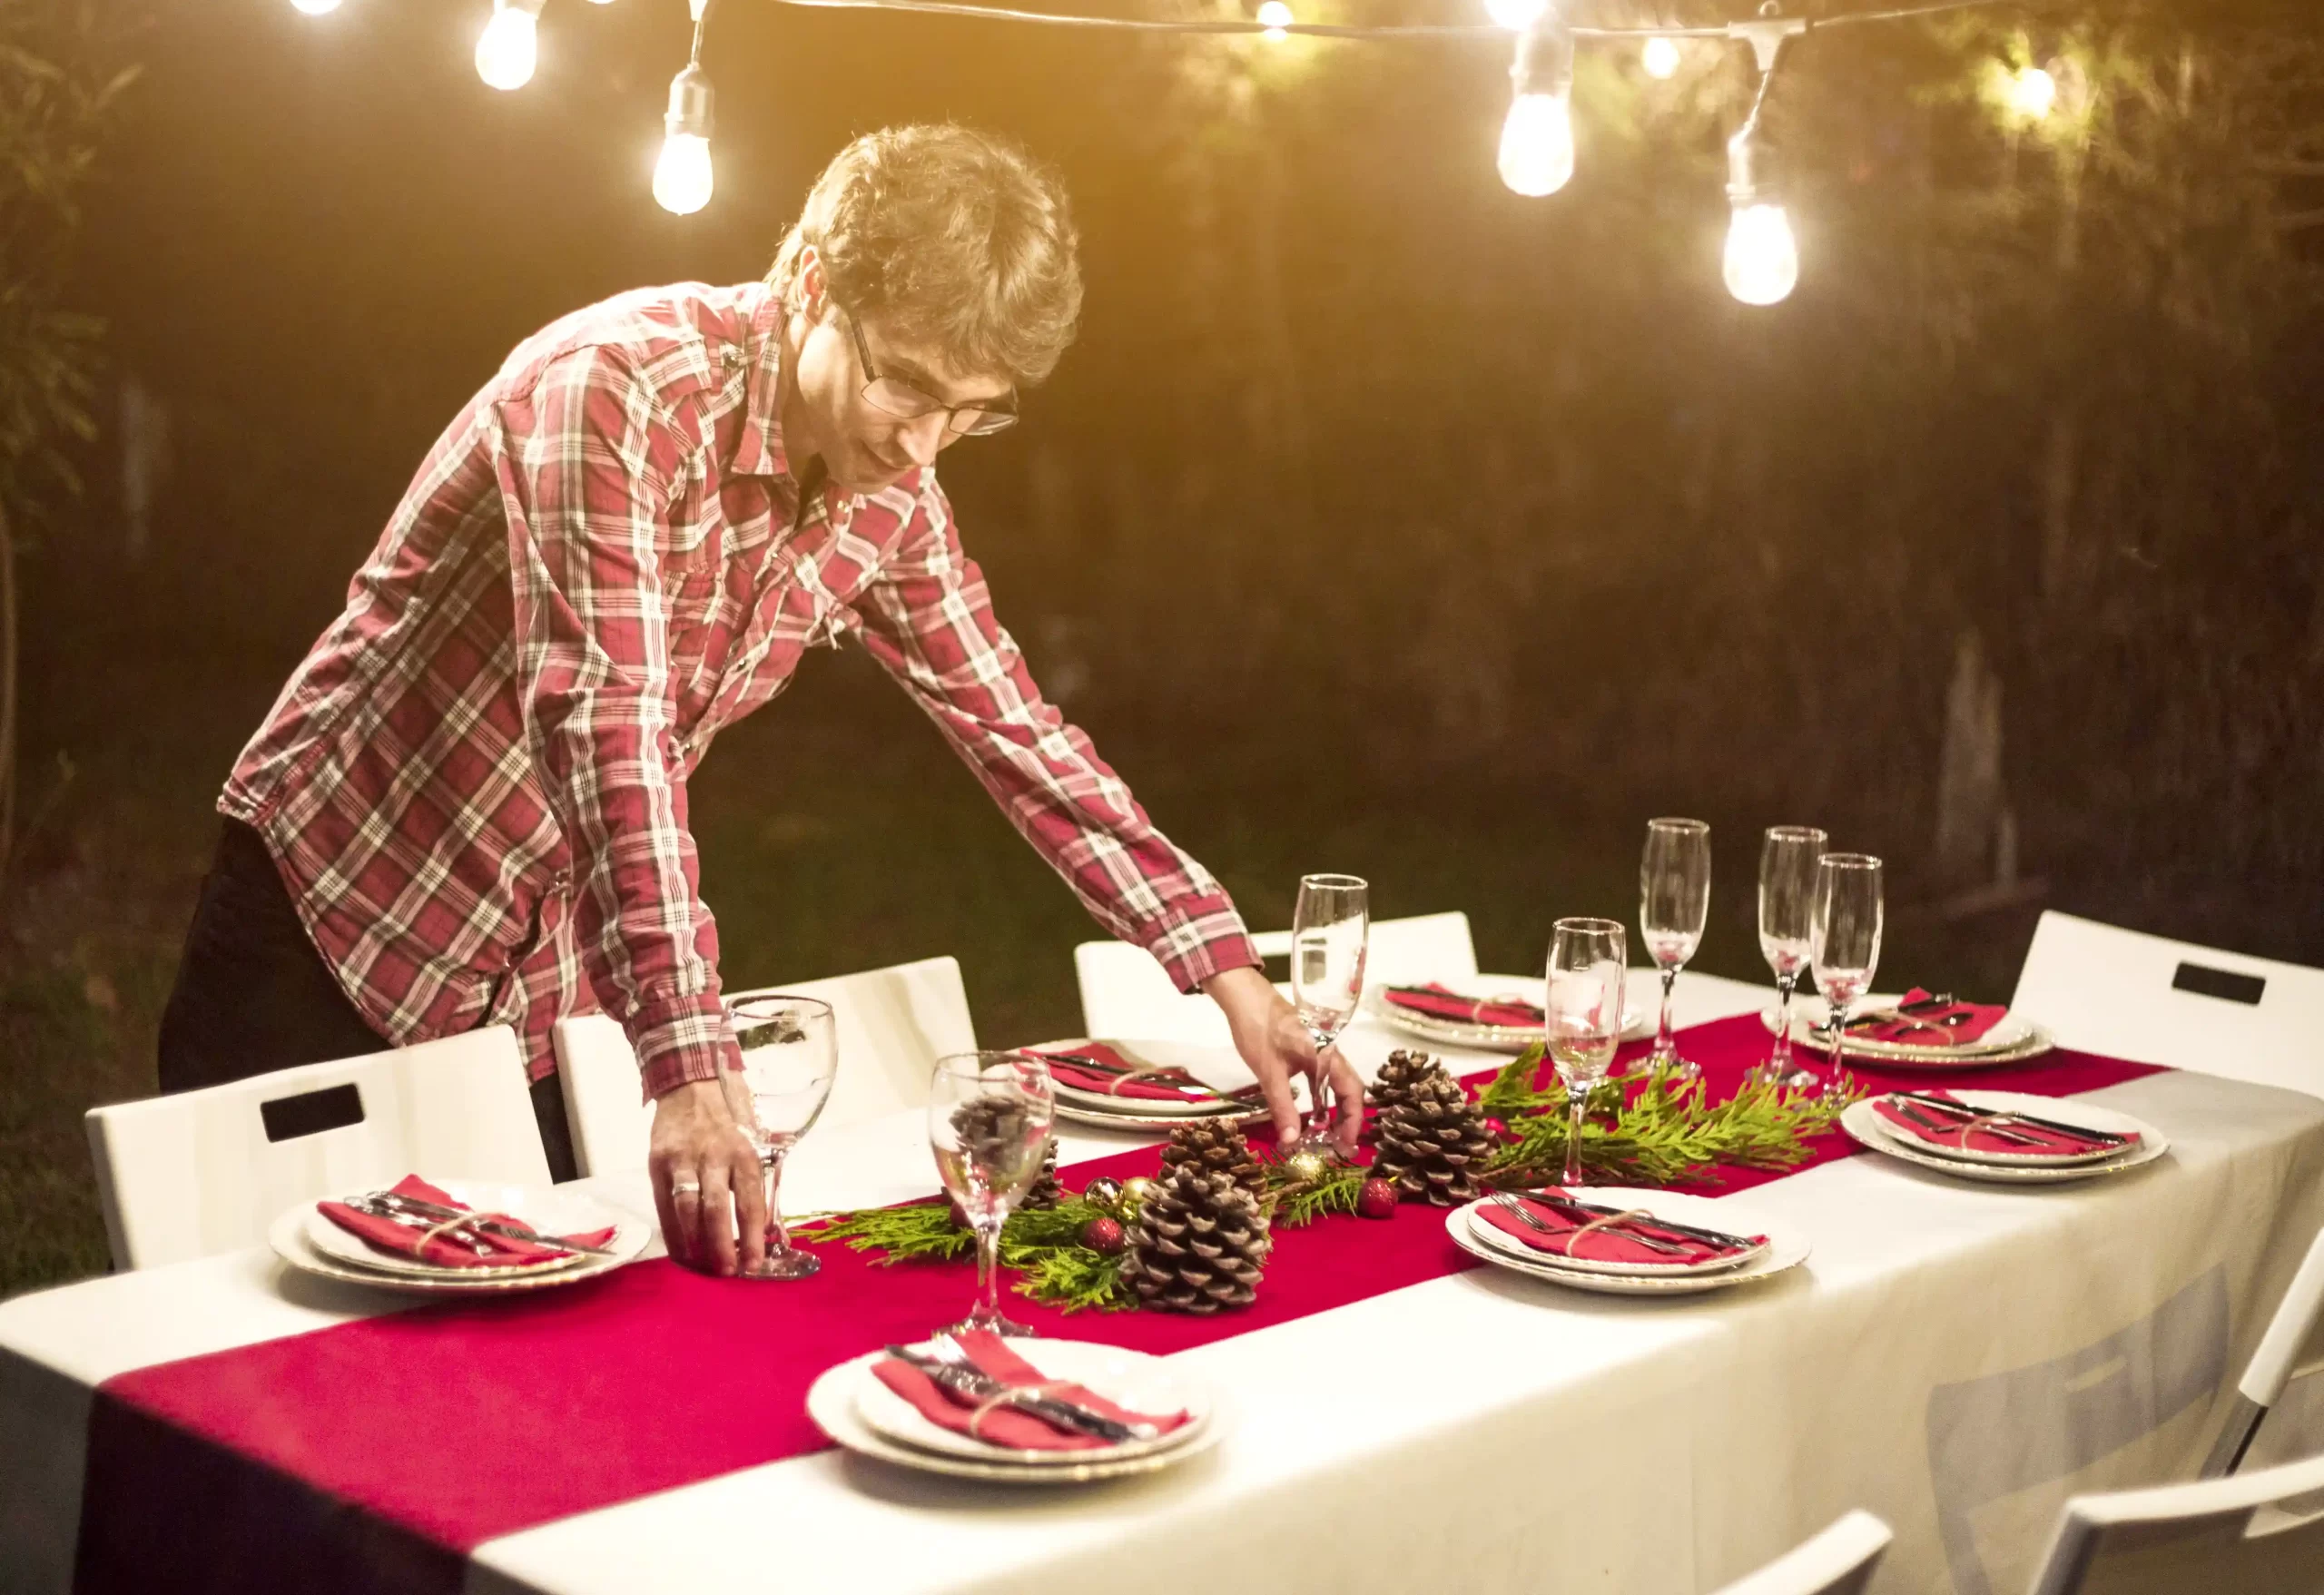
(1044, 1190)
(1432, 1142)
(1394, 1086)
(1216, 1146)
(1199, 1245)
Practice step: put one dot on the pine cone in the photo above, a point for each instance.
(1216, 1146)
(1045, 1191)
(1393, 1086)
(1431, 1142)
(995, 1132)
(1199, 1245)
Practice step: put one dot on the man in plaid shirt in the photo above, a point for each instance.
(470, 799)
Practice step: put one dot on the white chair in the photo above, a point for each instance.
(1124, 991)
(202, 1172)
(1837, 1561)
(2155, 1000)
(2272, 1364)
(893, 1024)
(2250, 1534)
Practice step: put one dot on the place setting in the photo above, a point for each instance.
(1142, 1085)
(458, 1237)
(1483, 1013)
(985, 1398)
(2005, 1138)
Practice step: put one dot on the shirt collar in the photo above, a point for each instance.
(761, 451)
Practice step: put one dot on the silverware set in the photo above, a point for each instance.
(945, 1362)
(1589, 1211)
(1961, 1115)
(420, 1216)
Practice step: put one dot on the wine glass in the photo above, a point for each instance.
(988, 1117)
(1786, 914)
(1673, 902)
(790, 1051)
(1331, 930)
(1846, 937)
(1583, 1014)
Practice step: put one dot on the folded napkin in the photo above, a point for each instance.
(1954, 1024)
(1956, 1130)
(1000, 1423)
(1612, 1242)
(1096, 1066)
(1441, 1002)
(385, 1235)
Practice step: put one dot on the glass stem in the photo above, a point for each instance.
(1577, 1102)
(1839, 1037)
(1319, 1127)
(772, 1163)
(1779, 1060)
(988, 1267)
(1666, 1043)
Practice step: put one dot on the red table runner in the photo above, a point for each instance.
(376, 1455)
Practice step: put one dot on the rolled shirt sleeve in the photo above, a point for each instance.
(928, 619)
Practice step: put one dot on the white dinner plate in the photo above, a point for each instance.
(2009, 1041)
(306, 1240)
(1864, 1126)
(1485, 1038)
(1787, 1245)
(2050, 1109)
(832, 1405)
(1517, 1249)
(1133, 1380)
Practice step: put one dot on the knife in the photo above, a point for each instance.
(1716, 1237)
(1065, 1414)
(2081, 1130)
(513, 1232)
(1997, 1131)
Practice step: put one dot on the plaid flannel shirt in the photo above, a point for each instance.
(475, 785)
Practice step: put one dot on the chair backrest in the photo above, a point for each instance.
(2272, 1363)
(1837, 1561)
(2256, 1533)
(2155, 1000)
(893, 1025)
(207, 1171)
(1124, 991)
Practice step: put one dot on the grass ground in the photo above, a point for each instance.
(837, 832)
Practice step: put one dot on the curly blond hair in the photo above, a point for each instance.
(954, 239)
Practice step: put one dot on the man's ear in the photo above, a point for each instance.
(811, 283)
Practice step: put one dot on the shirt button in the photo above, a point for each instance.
(561, 882)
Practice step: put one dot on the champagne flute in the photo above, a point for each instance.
(1846, 939)
(989, 1119)
(1787, 858)
(1673, 902)
(790, 1049)
(1583, 1010)
(1331, 930)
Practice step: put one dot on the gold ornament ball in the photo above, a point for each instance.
(1105, 1191)
(1308, 1165)
(1135, 1192)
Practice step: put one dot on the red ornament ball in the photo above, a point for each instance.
(1377, 1200)
(1103, 1236)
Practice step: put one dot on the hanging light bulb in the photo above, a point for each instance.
(1516, 15)
(682, 177)
(2032, 92)
(316, 8)
(1537, 138)
(1762, 263)
(509, 46)
(1660, 56)
(1277, 17)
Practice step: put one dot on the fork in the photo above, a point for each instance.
(1504, 1199)
(372, 1207)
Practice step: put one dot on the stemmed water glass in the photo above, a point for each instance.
(989, 1119)
(1787, 858)
(1583, 1014)
(1846, 938)
(1673, 902)
(1331, 930)
(790, 1051)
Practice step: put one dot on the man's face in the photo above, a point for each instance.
(865, 446)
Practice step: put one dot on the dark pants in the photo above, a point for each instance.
(252, 994)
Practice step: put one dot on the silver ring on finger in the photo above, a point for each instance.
(685, 1187)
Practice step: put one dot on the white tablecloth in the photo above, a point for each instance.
(1957, 1359)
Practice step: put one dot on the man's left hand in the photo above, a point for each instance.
(1277, 1046)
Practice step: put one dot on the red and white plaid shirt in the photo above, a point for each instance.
(475, 786)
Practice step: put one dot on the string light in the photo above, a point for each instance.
(1276, 17)
(316, 8)
(1762, 263)
(1660, 57)
(682, 177)
(1516, 15)
(509, 46)
(1537, 139)
(2032, 92)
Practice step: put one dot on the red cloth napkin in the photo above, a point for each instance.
(1956, 1024)
(386, 1236)
(1950, 1139)
(1170, 1085)
(1441, 1002)
(1614, 1242)
(1006, 1425)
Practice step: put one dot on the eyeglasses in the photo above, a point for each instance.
(899, 399)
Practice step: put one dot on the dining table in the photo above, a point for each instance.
(1956, 1357)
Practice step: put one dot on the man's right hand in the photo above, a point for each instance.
(706, 1180)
